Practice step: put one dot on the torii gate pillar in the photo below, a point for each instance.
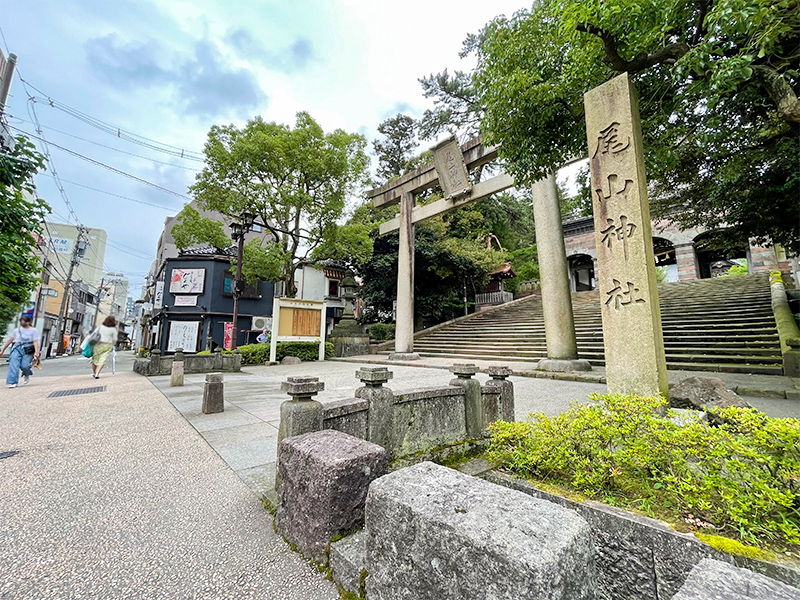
(559, 323)
(404, 331)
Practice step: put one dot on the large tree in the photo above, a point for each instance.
(21, 216)
(296, 180)
(394, 150)
(717, 80)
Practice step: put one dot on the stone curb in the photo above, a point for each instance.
(587, 378)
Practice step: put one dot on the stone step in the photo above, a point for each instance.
(671, 348)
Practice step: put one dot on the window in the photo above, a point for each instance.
(333, 288)
(248, 291)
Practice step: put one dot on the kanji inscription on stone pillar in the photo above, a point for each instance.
(632, 336)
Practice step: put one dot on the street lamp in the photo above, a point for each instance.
(238, 231)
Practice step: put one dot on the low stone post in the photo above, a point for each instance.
(325, 476)
(236, 363)
(301, 414)
(473, 398)
(499, 380)
(217, 354)
(213, 397)
(155, 361)
(176, 376)
(381, 404)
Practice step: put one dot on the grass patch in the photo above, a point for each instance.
(740, 479)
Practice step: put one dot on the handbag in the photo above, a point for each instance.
(95, 337)
(87, 351)
(28, 348)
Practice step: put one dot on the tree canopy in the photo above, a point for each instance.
(717, 82)
(21, 215)
(295, 180)
(394, 151)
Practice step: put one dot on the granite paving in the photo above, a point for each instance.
(113, 495)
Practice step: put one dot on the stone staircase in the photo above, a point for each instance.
(722, 324)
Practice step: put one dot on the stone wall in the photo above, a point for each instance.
(420, 422)
(156, 364)
(639, 558)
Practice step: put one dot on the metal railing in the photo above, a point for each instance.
(494, 298)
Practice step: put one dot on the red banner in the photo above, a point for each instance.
(228, 335)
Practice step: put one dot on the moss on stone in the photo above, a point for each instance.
(730, 546)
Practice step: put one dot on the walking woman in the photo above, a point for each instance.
(25, 340)
(106, 339)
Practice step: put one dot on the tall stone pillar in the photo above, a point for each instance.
(632, 336)
(559, 325)
(404, 332)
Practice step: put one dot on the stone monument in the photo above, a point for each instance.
(347, 337)
(632, 336)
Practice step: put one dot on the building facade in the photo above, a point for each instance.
(193, 305)
(680, 253)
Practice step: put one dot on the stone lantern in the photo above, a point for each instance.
(347, 337)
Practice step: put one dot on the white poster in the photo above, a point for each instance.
(185, 300)
(187, 281)
(183, 334)
(158, 298)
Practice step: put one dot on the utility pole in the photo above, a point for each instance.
(78, 251)
(97, 303)
(6, 75)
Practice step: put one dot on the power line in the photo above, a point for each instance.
(77, 137)
(88, 187)
(101, 164)
(114, 130)
(150, 258)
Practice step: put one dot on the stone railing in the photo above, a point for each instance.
(411, 426)
(430, 532)
(493, 298)
(788, 332)
(156, 364)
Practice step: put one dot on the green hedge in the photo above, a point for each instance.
(258, 354)
(381, 331)
(740, 479)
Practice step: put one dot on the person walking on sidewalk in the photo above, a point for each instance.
(106, 336)
(25, 348)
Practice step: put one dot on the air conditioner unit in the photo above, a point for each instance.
(261, 323)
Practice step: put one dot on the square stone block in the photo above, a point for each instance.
(324, 479)
(436, 534)
(716, 580)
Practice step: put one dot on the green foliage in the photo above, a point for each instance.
(741, 478)
(258, 354)
(661, 274)
(261, 263)
(303, 350)
(717, 85)
(381, 331)
(296, 180)
(21, 214)
(394, 151)
(736, 271)
(456, 108)
(192, 228)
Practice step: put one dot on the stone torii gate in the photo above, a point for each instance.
(450, 170)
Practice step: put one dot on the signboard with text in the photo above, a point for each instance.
(228, 336)
(183, 334)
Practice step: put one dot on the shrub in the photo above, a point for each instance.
(258, 354)
(381, 331)
(303, 350)
(741, 478)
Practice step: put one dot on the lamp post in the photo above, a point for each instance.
(238, 231)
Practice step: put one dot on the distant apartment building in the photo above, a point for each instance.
(61, 241)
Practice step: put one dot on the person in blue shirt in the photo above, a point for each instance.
(263, 337)
(24, 342)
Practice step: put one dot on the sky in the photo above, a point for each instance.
(124, 92)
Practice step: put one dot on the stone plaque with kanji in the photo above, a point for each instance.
(632, 336)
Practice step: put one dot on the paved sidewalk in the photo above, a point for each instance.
(114, 496)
